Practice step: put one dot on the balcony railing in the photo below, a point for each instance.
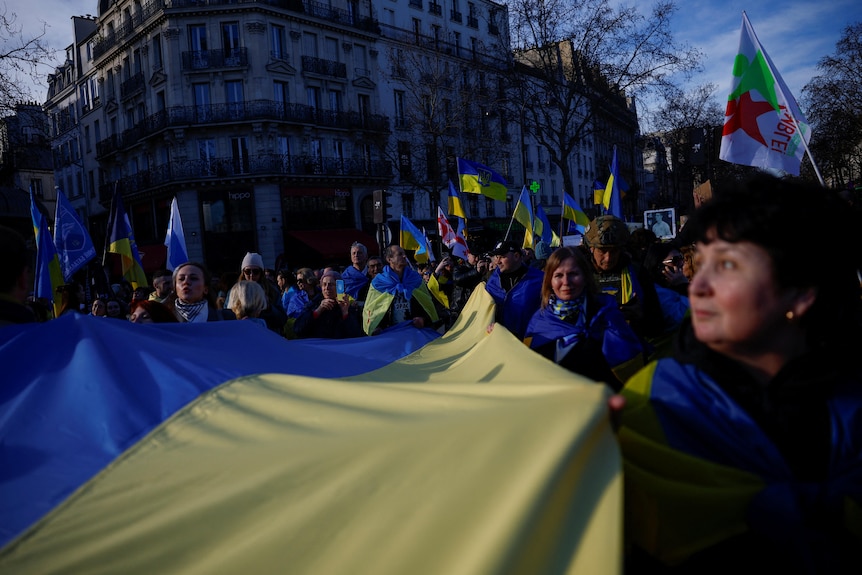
(210, 59)
(316, 9)
(434, 8)
(455, 16)
(132, 86)
(472, 22)
(256, 110)
(324, 67)
(255, 165)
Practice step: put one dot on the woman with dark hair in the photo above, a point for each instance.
(743, 449)
(579, 327)
(191, 300)
(150, 311)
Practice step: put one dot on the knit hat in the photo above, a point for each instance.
(251, 260)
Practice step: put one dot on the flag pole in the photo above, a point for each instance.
(808, 150)
(110, 219)
(512, 220)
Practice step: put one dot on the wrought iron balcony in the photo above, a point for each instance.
(211, 59)
(132, 86)
(179, 171)
(324, 67)
(256, 110)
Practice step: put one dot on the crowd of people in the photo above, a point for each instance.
(731, 349)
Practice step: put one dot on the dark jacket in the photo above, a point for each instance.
(329, 323)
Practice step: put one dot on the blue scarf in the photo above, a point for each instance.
(571, 311)
(387, 282)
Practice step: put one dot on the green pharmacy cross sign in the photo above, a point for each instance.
(534, 187)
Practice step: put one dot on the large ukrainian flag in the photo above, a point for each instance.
(222, 448)
(476, 178)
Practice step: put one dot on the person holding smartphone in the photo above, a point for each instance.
(329, 314)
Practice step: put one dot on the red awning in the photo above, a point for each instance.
(335, 244)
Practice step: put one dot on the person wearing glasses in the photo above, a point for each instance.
(306, 286)
(252, 269)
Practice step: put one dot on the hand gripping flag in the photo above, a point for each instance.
(524, 216)
(175, 240)
(456, 205)
(73, 243)
(612, 200)
(121, 241)
(478, 179)
(763, 125)
(49, 275)
(412, 238)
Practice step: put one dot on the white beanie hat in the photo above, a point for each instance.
(251, 260)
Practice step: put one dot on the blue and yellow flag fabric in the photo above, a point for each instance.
(573, 212)
(523, 214)
(74, 246)
(478, 179)
(598, 192)
(456, 205)
(48, 273)
(222, 447)
(175, 239)
(612, 201)
(542, 228)
(121, 241)
(412, 238)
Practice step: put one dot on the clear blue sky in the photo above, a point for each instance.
(795, 33)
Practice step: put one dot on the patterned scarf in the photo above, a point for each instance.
(189, 311)
(571, 311)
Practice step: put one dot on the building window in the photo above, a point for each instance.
(400, 121)
(335, 100)
(239, 155)
(230, 39)
(277, 42)
(234, 98)
(312, 94)
(207, 157)
(157, 52)
(36, 188)
(407, 201)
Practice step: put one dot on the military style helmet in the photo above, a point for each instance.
(607, 232)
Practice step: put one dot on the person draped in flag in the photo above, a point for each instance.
(515, 287)
(398, 294)
(742, 449)
(580, 328)
(355, 275)
(606, 241)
